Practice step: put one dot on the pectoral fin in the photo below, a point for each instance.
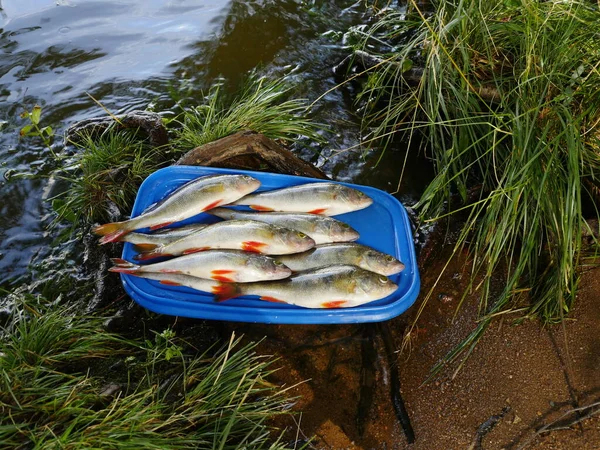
(225, 291)
(261, 208)
(272, 299)
(221, 275)
(253, 246)
(334, 304)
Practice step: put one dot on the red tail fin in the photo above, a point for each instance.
(260, 208)
(144, 247)
(149, 255)
(120, 262)
(111, 232)
(122, 266)
(225, 291)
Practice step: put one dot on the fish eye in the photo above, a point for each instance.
(277, 263)
(389, 258)
(383, 279)
(345, 225)
(300, 234)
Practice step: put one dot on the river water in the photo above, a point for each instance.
(132, 55)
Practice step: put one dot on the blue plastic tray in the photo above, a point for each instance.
(384, 226)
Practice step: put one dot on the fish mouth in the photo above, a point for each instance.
(279, 271)
(305, 244)
(390, 289)
(366, 202)
(391, 269)
(351, 235)
(280, 274)
(248, 183)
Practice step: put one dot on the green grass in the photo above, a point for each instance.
(53, 367)
(261, 105)
(104, 176)
(508, 104)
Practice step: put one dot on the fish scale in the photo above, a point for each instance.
(192, 198)
(249, 235)
(222, 265)
(335, 286)
(321, 229)
(329, 199)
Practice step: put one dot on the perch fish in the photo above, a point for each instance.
(222, 265)
(343, 253)
(248, 235)
(321, 229)
(192, 198)
(337, 286)
(328, 199)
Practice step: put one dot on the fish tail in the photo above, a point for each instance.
(119, 262)
(225, 291)
(122, 266)
(144, 256)
(223, 213)
(144, 247)
(111, 232)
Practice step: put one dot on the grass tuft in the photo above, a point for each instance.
(104, 176)
(260, 106)
(52, 369)
(508, 103)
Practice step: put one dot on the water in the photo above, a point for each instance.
(129, 55)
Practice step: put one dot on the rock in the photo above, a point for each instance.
(445, 298)
(110, 390)
(150, 123)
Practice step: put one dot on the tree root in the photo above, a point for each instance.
(486, 427)
(566, 421)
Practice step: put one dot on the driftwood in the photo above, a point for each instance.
(150, 123)
(250, 151)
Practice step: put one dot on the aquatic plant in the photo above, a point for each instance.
(261, 105)
(507, 100)
(54, 394)
(33, 128)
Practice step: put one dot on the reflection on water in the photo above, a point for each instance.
(128, 55)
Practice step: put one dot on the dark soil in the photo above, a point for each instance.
(519, 378)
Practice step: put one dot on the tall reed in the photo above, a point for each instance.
(508, 102)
